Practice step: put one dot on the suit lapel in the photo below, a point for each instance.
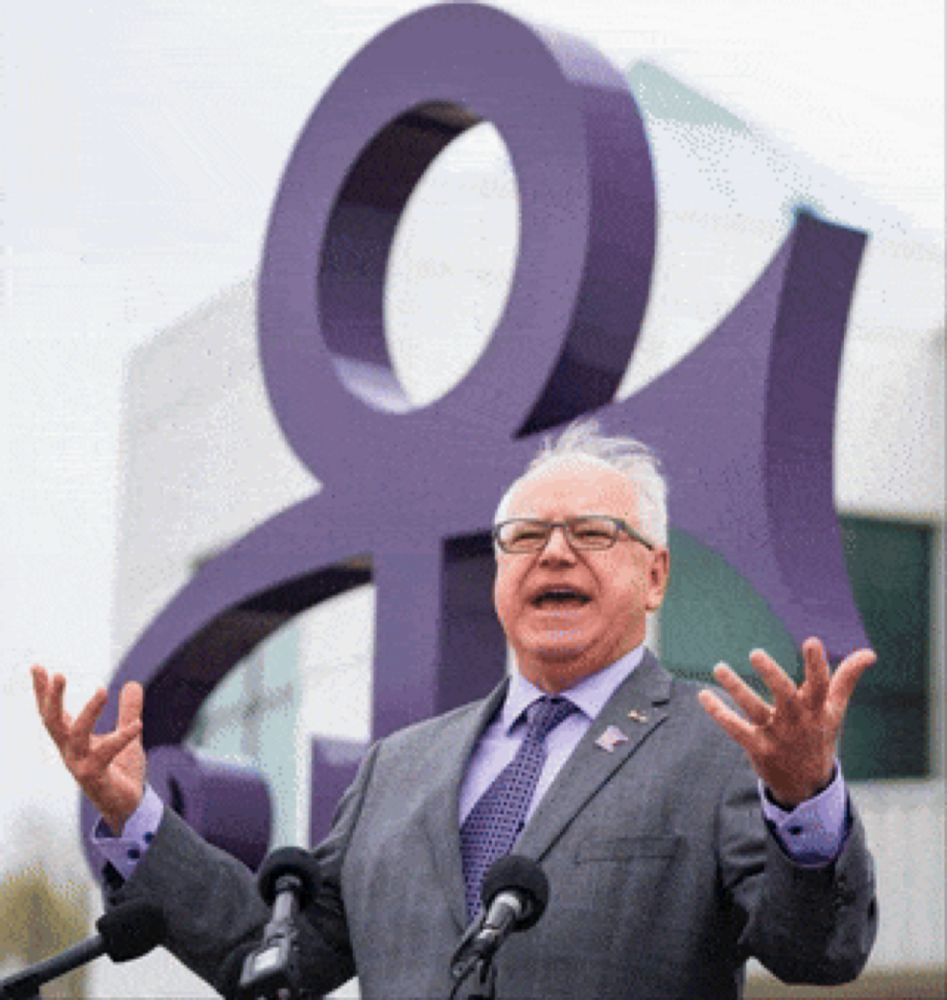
(450, 753)
(636, 709)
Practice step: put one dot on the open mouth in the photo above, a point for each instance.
(560, 598)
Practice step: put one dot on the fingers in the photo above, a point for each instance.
(77, 735)
(847, 675)
(728, 720)
(85, 723)
(40, 687)
(109, 747)
(753, 706)
(54, 703)
(49, 697)
(775, 678)
(40, 678)
(130, 703)
(816, 686)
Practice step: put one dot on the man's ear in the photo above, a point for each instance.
(658, 575)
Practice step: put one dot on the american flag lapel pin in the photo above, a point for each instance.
(611, 738)
(637, 716)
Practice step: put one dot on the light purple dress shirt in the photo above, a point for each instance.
(812, 834)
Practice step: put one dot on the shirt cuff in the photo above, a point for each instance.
(124, 852)
(813, 834)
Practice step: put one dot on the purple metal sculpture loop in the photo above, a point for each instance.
(587, 225)
(743, 423)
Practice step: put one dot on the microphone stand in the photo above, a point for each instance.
(288, 878)
(271, 972)
(514, 894)
(25, 985)
(127, 932)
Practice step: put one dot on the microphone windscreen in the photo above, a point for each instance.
(289, 861)
(517, 873)
(131, 930)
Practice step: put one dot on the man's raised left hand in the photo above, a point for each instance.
(792, 743)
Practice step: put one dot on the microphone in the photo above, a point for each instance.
(288, 880)
(289, 869)
(515, 893)
(126, 932)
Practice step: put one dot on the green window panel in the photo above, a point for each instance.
(887, 733)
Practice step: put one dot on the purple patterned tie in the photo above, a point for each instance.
(496, 819)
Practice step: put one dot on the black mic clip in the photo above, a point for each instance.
(288, 879)
(481, 978)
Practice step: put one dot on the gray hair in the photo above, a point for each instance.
(633, 459)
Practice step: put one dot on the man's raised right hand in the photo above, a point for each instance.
(109, 767)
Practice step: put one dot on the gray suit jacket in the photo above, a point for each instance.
(663, 878)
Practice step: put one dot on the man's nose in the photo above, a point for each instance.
(557, 547)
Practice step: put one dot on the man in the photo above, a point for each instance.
(669, 861)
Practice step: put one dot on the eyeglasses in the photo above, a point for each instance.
(588, 531)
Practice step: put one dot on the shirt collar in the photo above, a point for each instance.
(589, 695)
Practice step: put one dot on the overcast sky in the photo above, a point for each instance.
(142, 145)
